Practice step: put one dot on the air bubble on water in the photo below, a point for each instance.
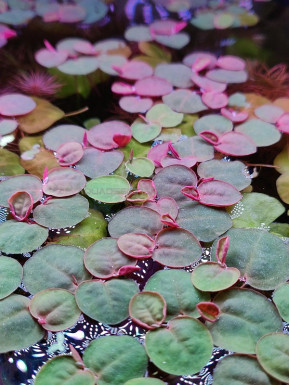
(237, 211)
(226, 159)
(109, 217)
(263, 227)
(247, 173)
(156, 143)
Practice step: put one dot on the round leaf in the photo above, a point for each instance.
(211, 276)
(143, 167)
(182, 348)
(7, 126)
(20, 237)
(145, 132)
(255, 253)
(152, 86)
(176, 288)
(262, 133)
(102, 135)
(240, 370)
(10, 186)
(214, 123)
(273, 355)
(136, 245)
(232, 63)
(79, 66)
(135, 104)
(227, 76)
(135, 219)
(176, 248)
(250, 312)
(63, 181)
(281, 300)
(63, 212)
(54, 266)
(69, 153)
(134, 70)
(14, 319)
(62, 369)
(50, 58)
(163, 115)
(179, 75)
(101, 300)
(16, 104)
(115, 359)
(236, 144)
(177, 41)
(59, 135)
(148, 309)
(108, 189)
(10, 276)
(184, 101)
(20, 204)
(103, 259)
(269, 113)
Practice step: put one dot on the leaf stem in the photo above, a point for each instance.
(77, 112)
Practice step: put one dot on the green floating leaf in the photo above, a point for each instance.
(279, 229)
(184, 101)
(55, 309)
(263, 134)
(273, 355)
(247, 311)
(254, 213)
(135, 219)
(10, 276)
(101, 301)
(227, 76)
(204, 20)
(61, 213)
(240, 370)
(143, 132)
(170, 180)
(145, 381)
(10, 186)
(14, 320)
(259, 256)
(103, 259)
(54, 266)
(163, 115)
(64, 181)
(42, 117)
(155, 51)
(176, 288)
(142, 167)
(20, 237)
(108, 189)
(205, 222)
(230, 172)
(281, 300)
(176, 248)
(9, 163)
(62, 369)
(282, 160)
(182, 348)
(115, 359)
(91, 229)
(211, 276)
(213, 123)
(177, 41)
(148, 309)
(282, 184)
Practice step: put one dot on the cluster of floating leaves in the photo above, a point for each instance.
(170, 200)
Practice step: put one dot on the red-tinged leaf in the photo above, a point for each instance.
(20, 204)
(188, 161)
(208, 85)
(86, 48)
(156, 153)
(236, 144)
(122, 88)
(102, 135)
(215, 100)
(76, 356)
(283, 124)
(169, 221)
(166, 27)
(125, 270)
(153, 86)
(136, 245)
(69, 153)
(121, 139)
(191, 192)
(208, 311)
(174, 153)
(135, 104)
(134, 70)
(45, 175)
(222, 249)
(210, 137)
(148, 186)
(200, 64)
(232, 63)
(218, 193)
(85, 140)
(234, 116)
(137, 196)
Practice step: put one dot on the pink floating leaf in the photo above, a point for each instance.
(8, 33)
(232, 63)
(71, 13)
(153, 86)
(283, 123)
(234, 116)
(134, 70)
(167, 205)
(187, 161)
(135, 104)
(69, 153)
(166, 27)
(209, 311)
(210, 137)
(174, 153)
(148, 186)
(215, 100)
(122, 88)
(49, 57)
(191, 192)
(86, 48)
(269, 113)
(45, 176)
(20, 204)
(136, 245)
(105, 136)
(207, 84)
(121, 139)
(200, 63)
(217, 193)
(236, 144)
(222, 249)
(169, 221)
(158, 152)
(125, 270)
(85, 140)
(16, 104)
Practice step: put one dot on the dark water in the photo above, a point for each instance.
(267, 42)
